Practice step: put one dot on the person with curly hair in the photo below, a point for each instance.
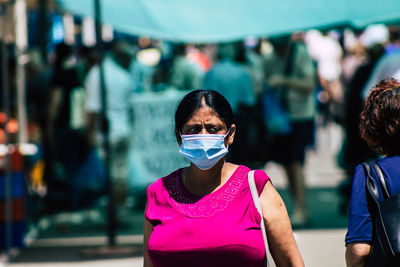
(380, 128)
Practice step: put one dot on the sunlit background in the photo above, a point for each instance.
(75, 162)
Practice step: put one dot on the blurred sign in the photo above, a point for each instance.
(154, 151)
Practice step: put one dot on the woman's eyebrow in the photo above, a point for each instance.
(193, 125)
(214, 125)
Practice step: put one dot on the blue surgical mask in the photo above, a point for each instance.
(203, 150)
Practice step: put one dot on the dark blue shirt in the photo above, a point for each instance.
(360, 224)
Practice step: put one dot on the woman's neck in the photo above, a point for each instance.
(202, 182)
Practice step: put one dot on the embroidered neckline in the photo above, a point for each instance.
(207, 205)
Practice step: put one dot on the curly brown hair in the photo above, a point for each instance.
(380, 118)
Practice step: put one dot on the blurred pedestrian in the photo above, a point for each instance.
(207, 208)
(380, 128)
(64, 148)
(255, 64)
(200, 54)
(184, 75)
(393, 45)
(38, 83)
(354, 149)
(327, 52)
(145, 63)
(387, 66)
(230, 78)
(355, 55)
(293, 72)
(161, 75)
(119, 87)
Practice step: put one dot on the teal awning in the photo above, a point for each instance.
(224, 20)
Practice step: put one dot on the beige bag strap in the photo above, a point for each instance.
(256, 200)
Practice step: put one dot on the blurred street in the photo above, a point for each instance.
(75, 240)
(318, 247)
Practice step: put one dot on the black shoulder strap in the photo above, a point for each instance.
(372, 189)
(381, 179)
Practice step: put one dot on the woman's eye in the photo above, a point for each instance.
(192, 130)
(213, 130)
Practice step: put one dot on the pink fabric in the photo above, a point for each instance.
(219, 229)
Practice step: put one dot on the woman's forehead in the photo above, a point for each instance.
(205, 113)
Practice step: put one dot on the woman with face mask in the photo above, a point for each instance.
(204, 214)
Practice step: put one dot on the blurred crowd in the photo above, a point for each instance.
(319, 77)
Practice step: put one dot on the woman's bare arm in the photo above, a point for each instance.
(282, 244)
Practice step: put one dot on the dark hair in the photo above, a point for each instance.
(192, 102)
(380, 118)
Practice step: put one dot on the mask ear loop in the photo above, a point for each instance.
(227, 134)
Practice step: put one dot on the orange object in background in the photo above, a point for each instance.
(3, 117)
(2, 136)
(12, 129)
(12, 126)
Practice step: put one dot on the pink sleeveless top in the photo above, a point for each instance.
(218, 229)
